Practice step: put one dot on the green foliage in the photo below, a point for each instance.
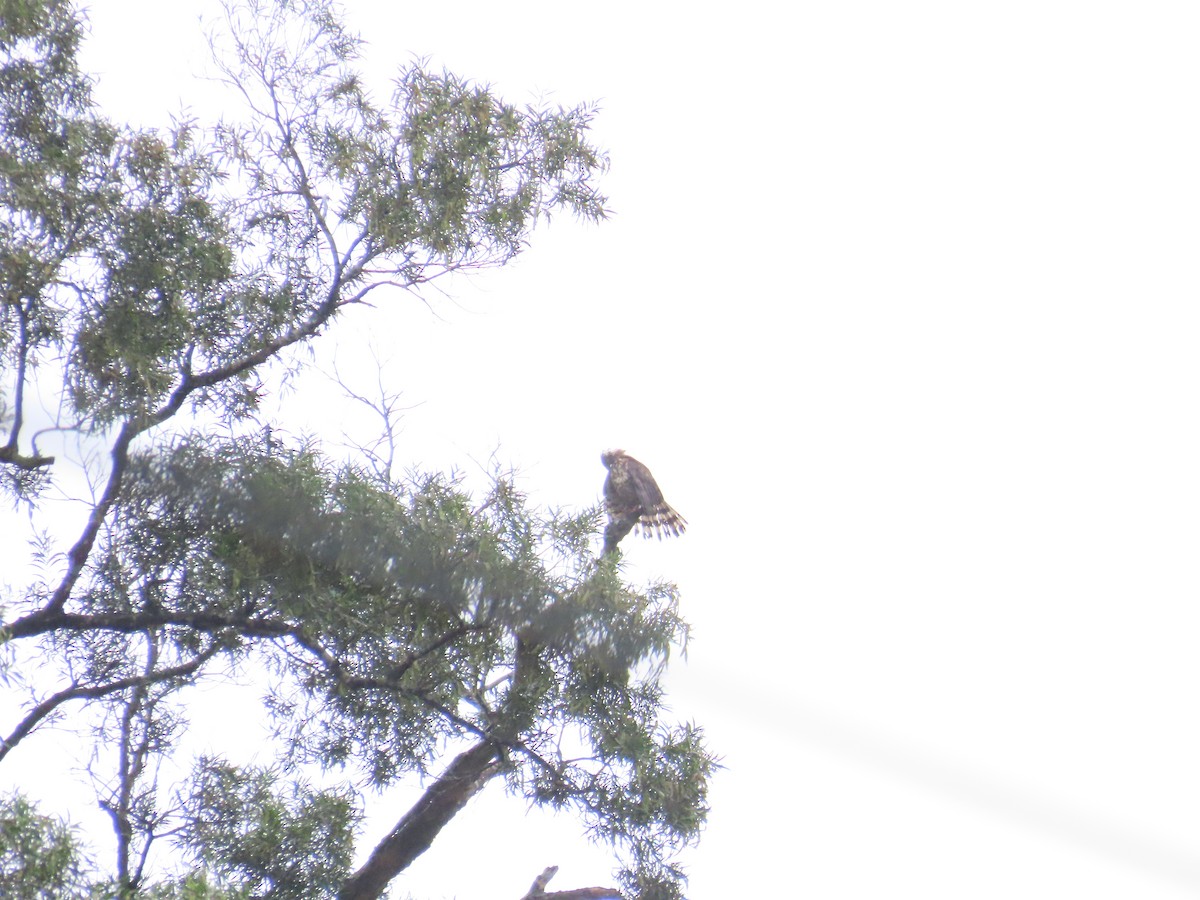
(54, 189)
(194, 886)
(469, 171)
(166, 265)
(40, 857)
(292, 845)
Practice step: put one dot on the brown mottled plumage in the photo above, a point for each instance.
(632, 497)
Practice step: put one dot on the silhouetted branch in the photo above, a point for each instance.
(46, 621)
(9, 454)
(95, 691)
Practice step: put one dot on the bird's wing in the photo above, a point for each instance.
(648, 493)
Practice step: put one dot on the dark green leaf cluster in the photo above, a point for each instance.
(40, 857)
(54, 180)
(167, 269)
(43, 91)
(467, 173)
(405, 612)
(293, 843)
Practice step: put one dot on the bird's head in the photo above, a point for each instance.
(610, 456)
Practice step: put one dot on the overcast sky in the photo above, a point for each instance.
(899, 303)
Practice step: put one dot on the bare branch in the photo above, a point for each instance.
(133, 748)
(91, 692)
(538, 890)
(387, 408)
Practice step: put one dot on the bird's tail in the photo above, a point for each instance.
(661, 522)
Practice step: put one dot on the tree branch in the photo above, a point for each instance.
(589, 893)
(537, 890)
(9, 451)
(132, 751)
(92, 692)
(464, 778)
(414, 833)
(44, 622)
(78, 555)
(9, 454)
(334, 666)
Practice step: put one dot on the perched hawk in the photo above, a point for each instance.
(632, 498)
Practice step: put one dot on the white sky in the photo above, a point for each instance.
(900, 305)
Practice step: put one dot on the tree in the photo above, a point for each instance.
(159, 283)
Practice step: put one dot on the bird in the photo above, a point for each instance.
(633, 498)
